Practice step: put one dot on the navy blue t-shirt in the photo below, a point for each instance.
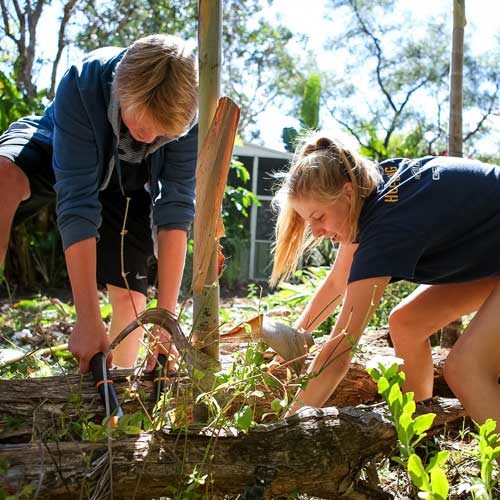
(431, 220)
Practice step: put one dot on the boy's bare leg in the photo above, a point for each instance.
(418, 316)
(14, 188)
(125, 354)
(473, 366)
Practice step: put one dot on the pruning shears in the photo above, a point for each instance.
(106, 389)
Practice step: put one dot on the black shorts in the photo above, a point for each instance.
(23, 143)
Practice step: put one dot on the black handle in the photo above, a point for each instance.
(103, 382)
(160, 375)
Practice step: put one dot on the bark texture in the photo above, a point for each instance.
(317, 452)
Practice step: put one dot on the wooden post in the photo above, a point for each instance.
(450, 334)
(206, 303)
(455, 141)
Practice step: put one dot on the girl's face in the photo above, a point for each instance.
(327, 220)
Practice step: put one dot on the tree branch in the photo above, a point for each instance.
(68, 7)
(485, 115)
(378, 50)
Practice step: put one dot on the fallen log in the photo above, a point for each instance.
(317, 452)
(53, 406)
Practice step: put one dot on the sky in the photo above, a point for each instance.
(308, 18)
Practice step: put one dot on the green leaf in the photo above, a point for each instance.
(423, 423)
(440, 486)
(438, 460)
(419, 477)
(392, 370)
(374, 374)
(383, 386)
(243, 418)
(405, 421)
(278, 404)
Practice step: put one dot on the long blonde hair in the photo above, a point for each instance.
(320, 168)
(158, 76)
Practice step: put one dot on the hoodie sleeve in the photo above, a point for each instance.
(174, 194)
(75, 163)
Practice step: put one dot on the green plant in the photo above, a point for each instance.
(488, 452)
(238, 200)
(430, 479)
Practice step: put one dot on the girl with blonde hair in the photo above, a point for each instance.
(434, 221)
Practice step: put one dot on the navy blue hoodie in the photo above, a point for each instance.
(83, 143)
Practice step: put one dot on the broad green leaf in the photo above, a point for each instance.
(382, 386)
(440, 486)
(405, 421)
(423, 422)
(419, 477)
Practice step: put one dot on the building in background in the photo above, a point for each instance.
(261, 163)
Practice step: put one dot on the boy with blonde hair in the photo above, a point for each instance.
(118, 137)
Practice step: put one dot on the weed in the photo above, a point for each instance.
(430, 479)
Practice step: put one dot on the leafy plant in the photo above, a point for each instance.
(430, 479)
(488, 452)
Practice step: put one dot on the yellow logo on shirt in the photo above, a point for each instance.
(393, 194)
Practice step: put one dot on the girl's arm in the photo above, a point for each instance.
(330, 293)
(332, 362)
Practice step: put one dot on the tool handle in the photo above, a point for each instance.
(103, 383)
(160, 375)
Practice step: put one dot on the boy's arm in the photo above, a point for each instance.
(89, 333)
(76, 168)
(332, 362)
(330, 293)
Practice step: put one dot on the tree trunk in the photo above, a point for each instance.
(455, 142)
(317, 452)
(206, 302)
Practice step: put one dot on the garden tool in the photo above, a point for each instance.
(160, 375)
(104, 385)
(289, 343)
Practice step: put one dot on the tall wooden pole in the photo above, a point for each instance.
(206, 303)
(451, 332)
(455, 140)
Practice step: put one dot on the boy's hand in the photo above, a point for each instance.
(161, 342)
(87, 338)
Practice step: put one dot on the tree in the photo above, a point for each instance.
(257, 66)
(20, 26)
(396, 66)
(309, 112)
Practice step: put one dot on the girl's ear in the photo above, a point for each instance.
(348, 189)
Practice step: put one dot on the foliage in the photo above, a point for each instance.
(37, 257)
(487, 454)
(258, 67)
(295, 295)
(309, 112)
(398, 73)
(236, 206)
(12, 104)
(430, 479)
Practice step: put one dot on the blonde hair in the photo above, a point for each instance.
(320, 168)
(158, 77)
